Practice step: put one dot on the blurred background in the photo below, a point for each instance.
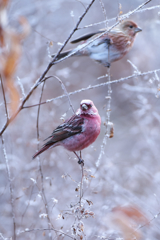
(128, 169)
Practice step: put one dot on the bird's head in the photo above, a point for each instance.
(129, 27)
(87, 108)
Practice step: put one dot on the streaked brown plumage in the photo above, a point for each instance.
(110, 47)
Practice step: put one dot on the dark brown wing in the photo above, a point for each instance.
(87, 36)
(69, 128)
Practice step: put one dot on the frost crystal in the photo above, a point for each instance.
(55, 200)
(43, 215)
(33, 180)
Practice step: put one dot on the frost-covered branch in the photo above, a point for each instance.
(10, 188)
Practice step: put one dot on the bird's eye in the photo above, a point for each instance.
(130, 26)
(90, 105)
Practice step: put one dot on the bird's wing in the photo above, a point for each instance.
(70, 127)
(87, 36)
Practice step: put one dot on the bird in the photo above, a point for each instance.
(108, 48)
(77, 132)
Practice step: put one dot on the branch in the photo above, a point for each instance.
(10, 188)
(21, 87)
(37, 125)
(40, 166)
(66, 93)
(46, 229)
(122, 16)
(97, 86)
(4, 97)
(81, 184)
(104, 12)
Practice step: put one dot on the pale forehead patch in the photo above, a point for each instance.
(86, 101)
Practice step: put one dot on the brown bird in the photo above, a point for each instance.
(110, 47)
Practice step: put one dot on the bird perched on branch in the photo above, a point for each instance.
(78, 132)
(110, 47)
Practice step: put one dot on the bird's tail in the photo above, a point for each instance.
(62, 55)
(44, 148)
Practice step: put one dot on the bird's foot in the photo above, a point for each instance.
(81, 161)
(108, 41)
(107, 65)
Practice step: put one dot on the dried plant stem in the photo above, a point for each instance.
(82, 174)
(65, 92)
(10, 188)
(46, 229)
(104, 12)
(37, 124)
(4, 97)
(27, 204)
(108, 112)
(81, 185)
(40, 168)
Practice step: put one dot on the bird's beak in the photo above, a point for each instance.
(84, 107)
(138, 29)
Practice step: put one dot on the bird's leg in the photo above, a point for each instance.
(109, 42)
(107, 65)
(80, 161)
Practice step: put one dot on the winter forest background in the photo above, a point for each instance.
(120, 190)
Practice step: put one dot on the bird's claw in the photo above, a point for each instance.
(107, 65)
(108, 41)
(81, 161)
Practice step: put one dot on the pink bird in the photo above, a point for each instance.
(78, 132)
(110, 47)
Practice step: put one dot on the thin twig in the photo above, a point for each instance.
(3, 238)
(10, 188)
(146, 224)
(106, 135)
(38, 112)
(104, 12)
(40, 167)
(4, 97)
(46, 229)
(66, 93)
(108, 113)
(81, 3)
(81, 185)
(97, 86)
(122, 16)
(21, 87)
(82, 174)
(27, 204)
